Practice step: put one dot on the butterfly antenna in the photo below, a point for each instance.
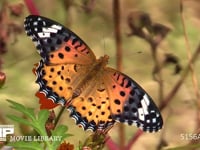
(104, 44)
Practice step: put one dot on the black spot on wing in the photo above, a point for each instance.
(85, 124)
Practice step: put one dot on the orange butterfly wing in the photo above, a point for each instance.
(56, 45)
(91, 109)
(130, 104)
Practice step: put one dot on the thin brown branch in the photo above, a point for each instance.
(158, 70)
(178, 84)
(59, 115)
(134, 139)
(116, 18)
(194, 77)
(117, 28)
(193, 73)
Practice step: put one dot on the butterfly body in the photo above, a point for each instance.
(95, 72)
(96, 96)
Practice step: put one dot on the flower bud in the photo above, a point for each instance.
(2, 79)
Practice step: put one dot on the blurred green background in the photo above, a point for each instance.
(96, 28)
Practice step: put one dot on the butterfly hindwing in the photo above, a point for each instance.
(91, 109)
(59, 82)
(55, 43)
(130, 103)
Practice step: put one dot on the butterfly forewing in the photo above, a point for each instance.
(55, 43)
(130, 103)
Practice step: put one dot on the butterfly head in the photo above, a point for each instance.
(103, 60)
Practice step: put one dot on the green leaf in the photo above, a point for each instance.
(60, 131)
(39, 123)
(19, 119)
(43, 116)
(29, 112)
(16, 106)
(21, 145)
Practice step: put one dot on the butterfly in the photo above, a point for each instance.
(96, 96)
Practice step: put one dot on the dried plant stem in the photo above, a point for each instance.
(116, 18)
(59, 115)
(158, 70)
(116, 15)
(134, 139)
(194, 77)
(178, 84)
